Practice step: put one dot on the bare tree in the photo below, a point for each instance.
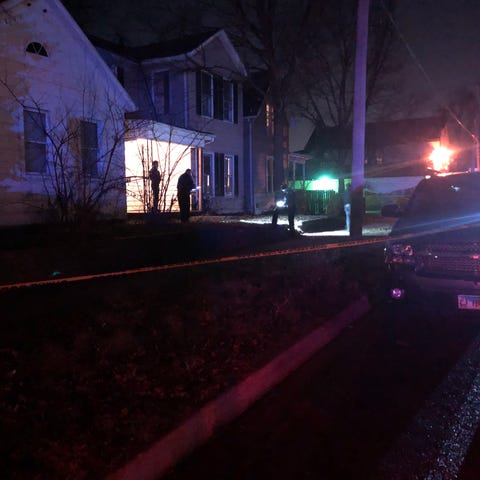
(462, 108)
(326, 77)
(269, 35)
(78, 178)
(170, 151)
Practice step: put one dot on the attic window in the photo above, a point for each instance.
(37, 49)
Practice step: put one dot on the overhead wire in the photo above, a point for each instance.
(417, 62)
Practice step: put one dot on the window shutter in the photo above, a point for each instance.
(235, 175)
(235, 103)
(198, 82)
(219, 175)
(218, 98)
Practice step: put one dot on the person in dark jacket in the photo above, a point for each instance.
(185, 185)
(155, 178)
(285, 203)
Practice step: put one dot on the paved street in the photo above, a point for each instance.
(346, 413)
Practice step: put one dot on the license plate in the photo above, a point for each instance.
(468, 302)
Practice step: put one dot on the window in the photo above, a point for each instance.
(228, 176)
(161, 92)
(228, 101)
(206, 94)
(216, 97)
(37, 49)
(207, 161)
(225, 175)
(35, 141)
(269, 118)
(89, 147)
(269, 174)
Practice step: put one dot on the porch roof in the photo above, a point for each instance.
(159, 131)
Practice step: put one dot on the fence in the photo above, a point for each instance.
(321, 202)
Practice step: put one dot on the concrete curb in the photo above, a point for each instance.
(164, 454)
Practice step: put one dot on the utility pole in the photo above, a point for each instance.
(359, 109)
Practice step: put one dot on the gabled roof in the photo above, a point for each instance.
(167, 49)
(173, 49)
(379, 134)
(73, 27)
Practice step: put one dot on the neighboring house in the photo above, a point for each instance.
(396, 155)
(61, 119)
(189, 94)
(259, 151)
(392, 148)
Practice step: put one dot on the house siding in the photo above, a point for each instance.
(68, 84)
(214, 58)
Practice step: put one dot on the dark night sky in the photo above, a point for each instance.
(444, 36)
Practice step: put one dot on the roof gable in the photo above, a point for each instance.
(180, 50)
(55, 7)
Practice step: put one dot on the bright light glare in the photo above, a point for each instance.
(324, 183)
(440, 157)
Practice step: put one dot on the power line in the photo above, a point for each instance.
(427, 77)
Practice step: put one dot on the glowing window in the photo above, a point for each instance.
(37, 49)
(269, 118)
(228, 179)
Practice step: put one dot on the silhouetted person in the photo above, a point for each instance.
(155, 177)
(285, 204)
(184, 187)
(347, 204)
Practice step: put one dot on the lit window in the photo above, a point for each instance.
(208, 183)
(269, 118)
(37, 49)
(35, 141)
(228, 175)
(89, 147)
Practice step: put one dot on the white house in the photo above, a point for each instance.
(62, 114)
(190, 115)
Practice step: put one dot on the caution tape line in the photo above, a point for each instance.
(194, 263)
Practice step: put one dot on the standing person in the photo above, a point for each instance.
(285, 202)
(184, 187)
(155, 177)
(347, 205)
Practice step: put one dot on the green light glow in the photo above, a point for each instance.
(324, 183)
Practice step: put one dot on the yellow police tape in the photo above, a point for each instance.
(195, 263)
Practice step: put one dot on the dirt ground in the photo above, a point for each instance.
(93, 372)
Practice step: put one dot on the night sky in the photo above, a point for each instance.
(443, 35)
